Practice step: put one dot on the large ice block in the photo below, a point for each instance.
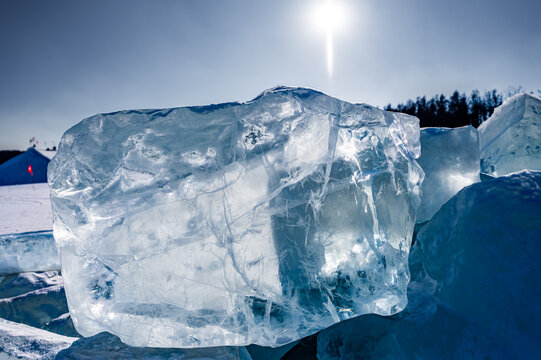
(450, 160)
(510, 140)
(238, 223)
(474, 292)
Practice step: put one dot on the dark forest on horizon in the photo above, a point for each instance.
(457, 110)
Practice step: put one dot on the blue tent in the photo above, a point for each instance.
(15, 170)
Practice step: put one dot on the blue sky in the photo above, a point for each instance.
(62, 61)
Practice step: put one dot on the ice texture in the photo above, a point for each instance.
(474, 292)
(510, 140)
(18, 341)
(258, 222)
(32, 251)
(450, 160)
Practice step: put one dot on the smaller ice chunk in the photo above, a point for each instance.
(33, 251)
(21, 341)
(22, 283)
(510, 140)
(107, 346)
(35, 308)
(482, 248)
(450, 160)
(37, 300)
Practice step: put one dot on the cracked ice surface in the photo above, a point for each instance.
(238, 223)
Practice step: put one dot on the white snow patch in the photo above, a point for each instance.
(23, 341)
(25, 208)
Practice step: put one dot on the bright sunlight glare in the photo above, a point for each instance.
(329, 17)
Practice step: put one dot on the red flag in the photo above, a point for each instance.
(30, 170)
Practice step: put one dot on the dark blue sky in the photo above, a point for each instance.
(62, 61)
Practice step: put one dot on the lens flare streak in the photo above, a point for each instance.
(330, 53)
(329, 17)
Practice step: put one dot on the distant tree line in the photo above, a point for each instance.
(458, 110)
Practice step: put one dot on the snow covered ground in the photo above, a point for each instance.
(25, 208)
(21, 341)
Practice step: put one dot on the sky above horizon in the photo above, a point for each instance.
(62, 61)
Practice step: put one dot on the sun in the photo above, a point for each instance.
(329, 17)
